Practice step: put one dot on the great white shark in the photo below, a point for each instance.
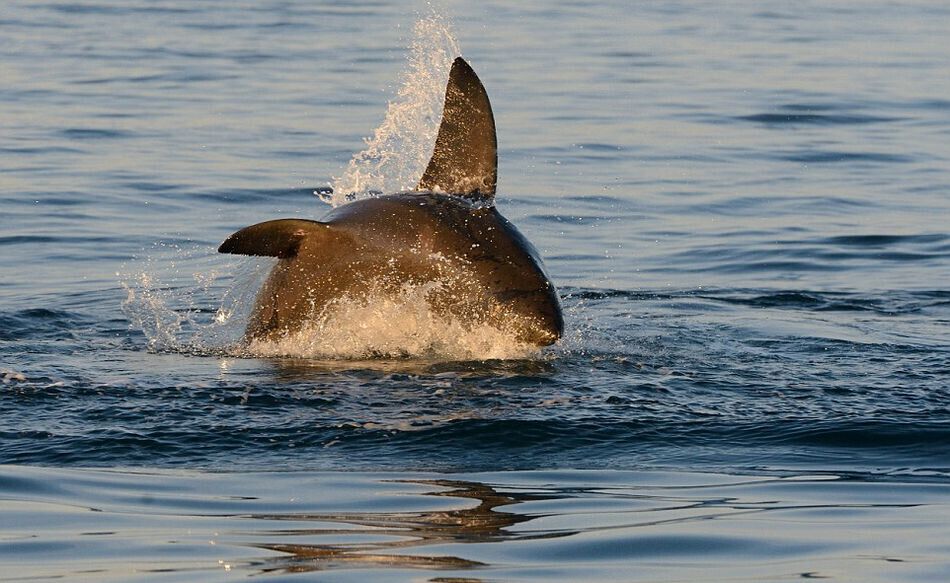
(446, 235)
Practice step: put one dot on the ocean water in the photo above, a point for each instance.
(745, 208)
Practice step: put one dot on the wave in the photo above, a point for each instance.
(806, 117)
(730, 378)
(269, 436)
(40, 324)
(884, 302)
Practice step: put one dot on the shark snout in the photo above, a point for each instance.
(536, 316)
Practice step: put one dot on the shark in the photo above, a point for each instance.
(446, 235)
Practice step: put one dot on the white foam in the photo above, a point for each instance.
(8, 376)
(394, 324)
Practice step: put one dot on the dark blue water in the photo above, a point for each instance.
(744, 206)
(722, 380)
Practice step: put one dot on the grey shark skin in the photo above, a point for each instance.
(446, 235)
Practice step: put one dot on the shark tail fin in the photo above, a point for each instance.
(465, 159)
(280, 238)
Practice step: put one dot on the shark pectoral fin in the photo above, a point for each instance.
(465, 159)
(280, 238)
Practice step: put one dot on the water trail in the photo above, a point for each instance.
(397, 154)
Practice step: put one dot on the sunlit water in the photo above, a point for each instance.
(745, 208)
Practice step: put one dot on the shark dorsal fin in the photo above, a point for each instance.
(465, 160)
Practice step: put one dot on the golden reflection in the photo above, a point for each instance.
(480, 524)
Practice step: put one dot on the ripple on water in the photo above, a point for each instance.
(91, 134)
(818, 114)
(567, 525)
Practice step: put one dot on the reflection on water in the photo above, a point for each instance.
(603, 523)
(481, 524)
(502, 526)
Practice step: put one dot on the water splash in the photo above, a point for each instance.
(397, 154)
(182, 301)
(394, 324)
(182, 305)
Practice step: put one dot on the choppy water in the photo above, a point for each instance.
(744, 205)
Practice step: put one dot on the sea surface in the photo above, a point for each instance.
(745, 206)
